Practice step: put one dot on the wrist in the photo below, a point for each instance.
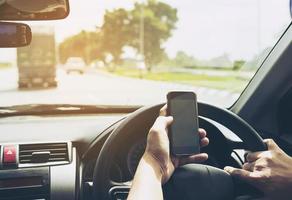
(151, 161)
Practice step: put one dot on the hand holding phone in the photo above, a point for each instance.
(184, 137)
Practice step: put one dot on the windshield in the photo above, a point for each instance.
(113, 52)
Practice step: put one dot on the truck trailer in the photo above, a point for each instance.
(37, 62)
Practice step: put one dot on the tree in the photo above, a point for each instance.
(237, 64)
(115, 32)
(87, 45)
(222, 61)
(121, 28)
(184, 60)
(159, 21)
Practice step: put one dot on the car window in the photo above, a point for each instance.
(135, 52)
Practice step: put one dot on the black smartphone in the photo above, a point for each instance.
(183, 132)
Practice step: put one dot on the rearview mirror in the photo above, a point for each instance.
(14, 34)
(33, 9)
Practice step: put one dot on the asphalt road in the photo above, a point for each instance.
(100, 88)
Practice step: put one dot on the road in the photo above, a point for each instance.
(101, 88)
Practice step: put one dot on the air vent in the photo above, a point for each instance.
(42, 153)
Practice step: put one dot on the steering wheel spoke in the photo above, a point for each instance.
(236, 144)
(119, 190)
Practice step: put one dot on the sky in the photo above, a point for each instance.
(206, 28)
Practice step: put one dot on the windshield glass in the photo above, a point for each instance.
(117, 52)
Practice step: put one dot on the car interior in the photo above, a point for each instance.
(92, 151)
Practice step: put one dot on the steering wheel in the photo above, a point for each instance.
(190, 181)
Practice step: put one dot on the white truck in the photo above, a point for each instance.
(37, 62)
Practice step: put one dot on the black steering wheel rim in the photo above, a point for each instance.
(101, 179)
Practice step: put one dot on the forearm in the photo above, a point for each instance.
(147, 181)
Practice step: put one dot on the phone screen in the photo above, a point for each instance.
(184, 129)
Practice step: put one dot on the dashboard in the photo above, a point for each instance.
(41, 155)
(82, 137)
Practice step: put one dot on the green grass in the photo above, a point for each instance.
(231, 83)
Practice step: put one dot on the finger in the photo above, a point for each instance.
(175, 161)
(249, 166)
(239, 173)
(198, 158)
(271, 144)
(202, 133)
(163, 110)
(251, 157)
(204, 142)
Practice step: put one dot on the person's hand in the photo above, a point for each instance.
(157, 150)
(270, 171)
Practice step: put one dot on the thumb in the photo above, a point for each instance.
(163, 121)
(168, 120)
(239, 173)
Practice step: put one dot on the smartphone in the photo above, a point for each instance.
(183, 132)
